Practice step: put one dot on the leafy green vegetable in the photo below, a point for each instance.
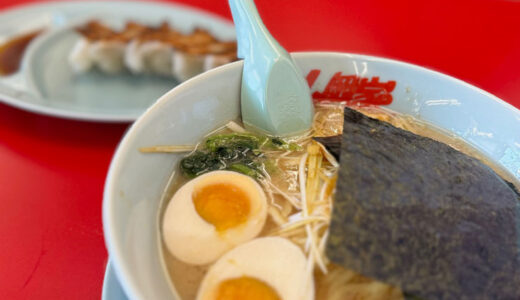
(246, 170)
(279, 144)
(240, 152)
(223, 158)
(200, 162)
(233, 140)
(249, 141)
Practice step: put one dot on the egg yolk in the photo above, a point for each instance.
(224, 205)
(245, 288)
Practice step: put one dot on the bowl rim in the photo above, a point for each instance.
(115, 250)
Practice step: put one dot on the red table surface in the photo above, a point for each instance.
(52, 171)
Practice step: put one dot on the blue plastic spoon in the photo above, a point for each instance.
(275, 97)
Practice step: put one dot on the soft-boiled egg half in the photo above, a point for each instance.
(269, 268)
(211, 214)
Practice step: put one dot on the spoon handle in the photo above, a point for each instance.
(251, 31)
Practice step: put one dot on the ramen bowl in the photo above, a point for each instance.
(136, 181)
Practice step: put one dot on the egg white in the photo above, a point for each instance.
(273, 260)
(192, 239)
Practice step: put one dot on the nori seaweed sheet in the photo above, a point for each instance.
(418, 214)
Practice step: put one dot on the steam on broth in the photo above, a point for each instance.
(298, 177)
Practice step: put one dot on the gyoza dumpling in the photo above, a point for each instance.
(108, 56)
(220, 53)
(79, 57)
(152, 52)
(102, 47)
(149, 57)
(188, 59)
(187, 65)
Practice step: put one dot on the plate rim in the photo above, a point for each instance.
(109, 280)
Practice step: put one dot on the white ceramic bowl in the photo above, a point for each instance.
(184, 115)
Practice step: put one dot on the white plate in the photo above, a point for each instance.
(112, 289)
(46, 84)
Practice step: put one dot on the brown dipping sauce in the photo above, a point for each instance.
(11, 52)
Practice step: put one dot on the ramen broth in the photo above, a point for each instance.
(187, 278)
